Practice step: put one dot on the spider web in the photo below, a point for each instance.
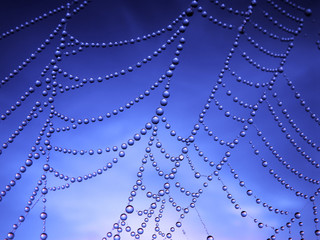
(100, 134)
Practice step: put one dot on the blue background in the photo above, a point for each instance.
(88, 210)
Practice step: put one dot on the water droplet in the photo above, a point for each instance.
(129, 209)
(244, 214)
(123, 217)
(43, 215)
(10, 235)
(43, 236)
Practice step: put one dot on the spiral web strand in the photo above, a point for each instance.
(137, 222)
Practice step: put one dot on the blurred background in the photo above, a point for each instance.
(87, 210)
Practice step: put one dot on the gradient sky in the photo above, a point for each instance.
(88, 210)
